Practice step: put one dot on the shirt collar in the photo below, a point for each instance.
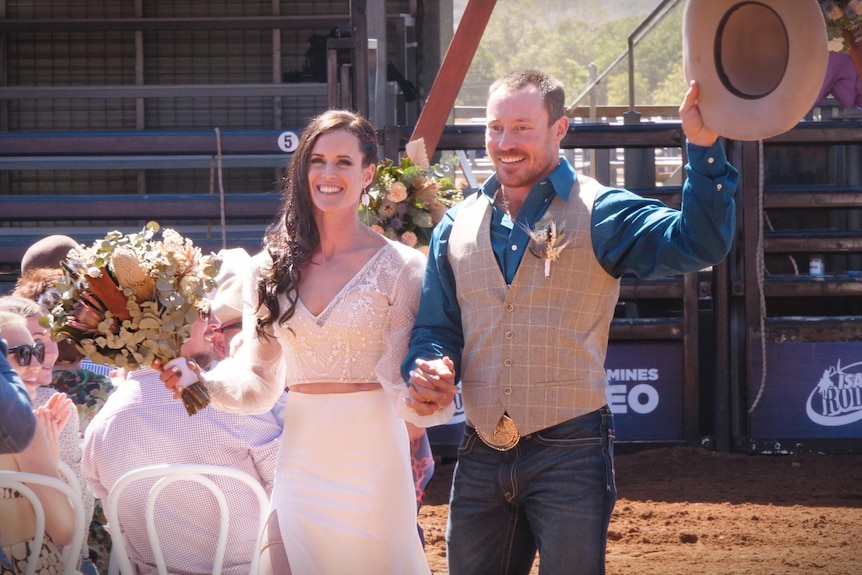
(561, 179)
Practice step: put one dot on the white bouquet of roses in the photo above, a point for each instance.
(129, 300)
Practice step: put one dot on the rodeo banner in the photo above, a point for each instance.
(811, 391)
(645, 390)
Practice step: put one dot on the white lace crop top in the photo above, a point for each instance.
(361, 336)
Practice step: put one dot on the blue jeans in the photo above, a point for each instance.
(553, 492)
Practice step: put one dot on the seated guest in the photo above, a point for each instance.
(842, 81)
(41, 456)
(142, 425)
(69, 438)
(33, 298)
(33, 313)
(86, 383)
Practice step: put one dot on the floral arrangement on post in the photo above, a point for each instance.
(129, 300)
(843, 22)
(405, 201)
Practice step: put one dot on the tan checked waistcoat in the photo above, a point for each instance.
(537, 349)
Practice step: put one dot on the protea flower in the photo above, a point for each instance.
(87, 319)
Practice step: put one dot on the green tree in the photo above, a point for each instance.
(672, 88)
(563, 37)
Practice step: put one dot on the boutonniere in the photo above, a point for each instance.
(546, 240)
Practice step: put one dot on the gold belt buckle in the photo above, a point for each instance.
(505, 435)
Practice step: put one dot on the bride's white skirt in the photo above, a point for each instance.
(344, 487)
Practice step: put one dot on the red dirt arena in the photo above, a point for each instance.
(684, 511)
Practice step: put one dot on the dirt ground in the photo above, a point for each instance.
(682, 511)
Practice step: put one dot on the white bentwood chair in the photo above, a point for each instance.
(68, 475)
(18, 481)
(167, 474)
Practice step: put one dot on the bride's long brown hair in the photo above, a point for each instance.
(293, 236)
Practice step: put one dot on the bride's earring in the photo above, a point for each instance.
(365, 198)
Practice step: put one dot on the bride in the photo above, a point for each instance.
(329, 309)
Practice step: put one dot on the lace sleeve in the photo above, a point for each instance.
(252, 381)
(404, 303)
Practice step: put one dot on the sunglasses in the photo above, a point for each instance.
(224, 328)
(25, 353)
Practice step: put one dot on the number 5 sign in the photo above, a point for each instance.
(287, 141)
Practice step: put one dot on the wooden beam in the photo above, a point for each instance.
(108, 207)
(302, 23)
(441, 98)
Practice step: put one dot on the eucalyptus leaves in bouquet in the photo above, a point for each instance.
(130, 299)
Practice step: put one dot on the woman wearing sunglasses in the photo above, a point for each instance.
(25, 354)
(17, 519)
(46, 352)
(32, 313)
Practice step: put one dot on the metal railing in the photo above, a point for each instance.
(638, 34)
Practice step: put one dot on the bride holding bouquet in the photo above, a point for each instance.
(329, 308)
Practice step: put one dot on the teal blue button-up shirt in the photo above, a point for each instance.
(629, 234)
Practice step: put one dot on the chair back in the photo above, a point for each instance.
(18, 481)
(168, 474)
(68, 475)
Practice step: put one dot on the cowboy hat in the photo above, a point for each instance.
(759, 64)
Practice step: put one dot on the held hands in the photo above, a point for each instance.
(432, 385)
(695, 130)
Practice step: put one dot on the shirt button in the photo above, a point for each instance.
(509, 335)
(509, 307)
(514, 248)
(507, 362)
(718, 187)
(710, 160)
(508, 391)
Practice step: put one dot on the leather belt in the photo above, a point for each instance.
(505, 436)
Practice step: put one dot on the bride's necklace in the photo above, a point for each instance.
(504, 203)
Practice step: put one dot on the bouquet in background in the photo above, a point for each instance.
(129, 300)
(843, 22)
(406, 200)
